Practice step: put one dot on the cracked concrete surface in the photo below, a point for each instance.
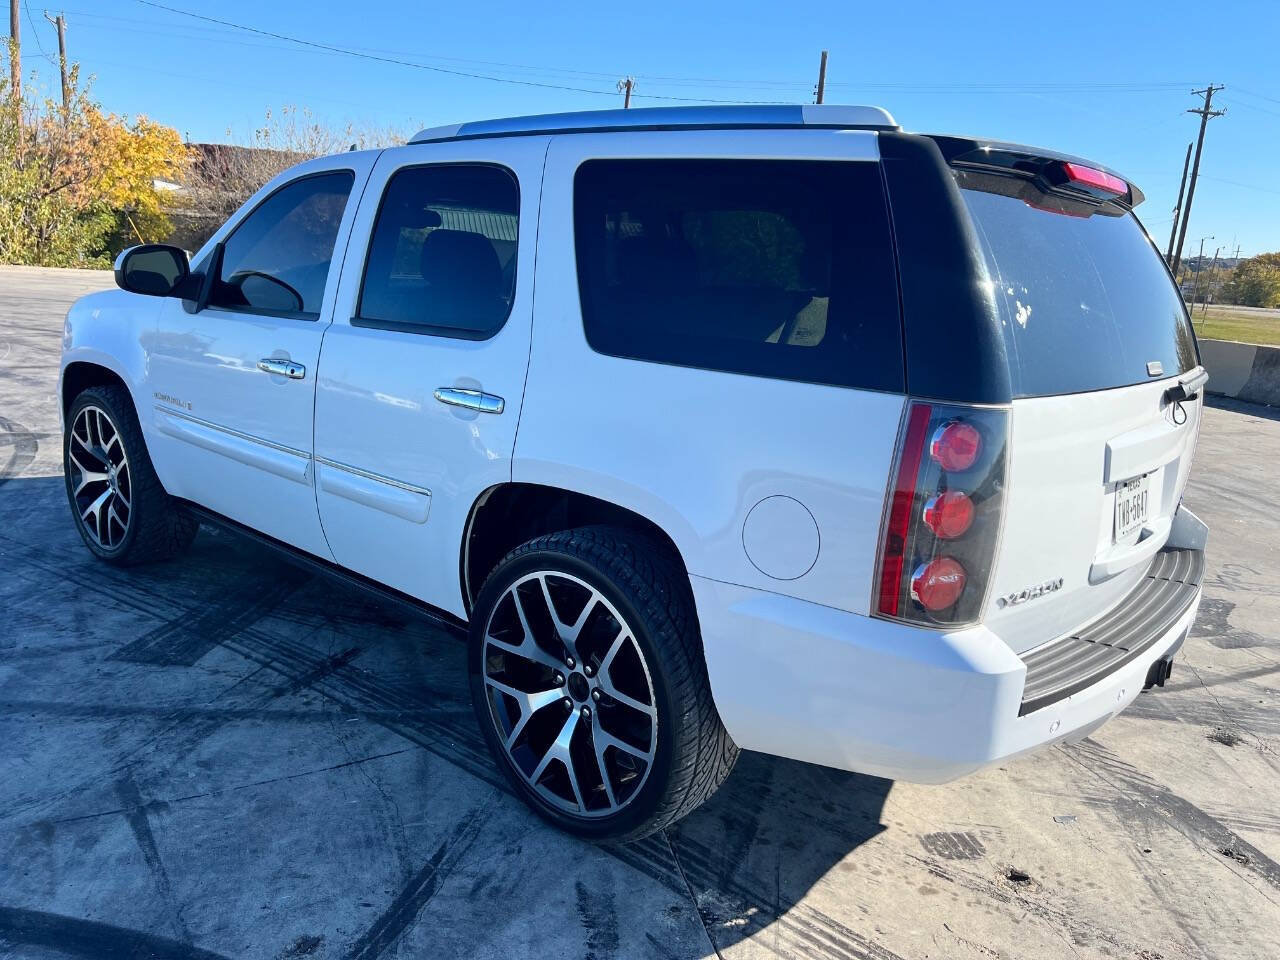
(226, 757)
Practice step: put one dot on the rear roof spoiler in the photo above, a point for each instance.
(1018, 158)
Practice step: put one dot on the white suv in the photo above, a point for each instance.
(769, 428)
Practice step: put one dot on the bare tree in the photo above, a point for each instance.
(223, 176)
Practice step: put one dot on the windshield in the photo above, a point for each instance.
(1085, 301)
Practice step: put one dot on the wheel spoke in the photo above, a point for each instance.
(122, 482)
(95, 505)
(112, 514)
(626, 700)
(599, 745)
(605, 679)
(612, 652)
(568, 632)
(559, 750)
(606, 739)
(88, 476)
(529, 703)
(527, 649)
(87, 447)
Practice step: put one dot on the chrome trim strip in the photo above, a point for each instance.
(244, 448)
(302, 454)
(378, 477)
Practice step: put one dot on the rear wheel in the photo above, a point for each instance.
(122, 512)
(589, 682)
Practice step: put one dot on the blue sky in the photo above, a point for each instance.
(1107, 81)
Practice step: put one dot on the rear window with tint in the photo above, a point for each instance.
(1086, 302)
(773, 268)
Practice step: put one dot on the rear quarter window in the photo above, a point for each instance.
(778, 269)
(1085, 300)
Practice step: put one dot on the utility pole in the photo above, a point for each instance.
(1208, 290)
(822, 78)
(15, 52)
(624, 88)
(60, 22)
(1206, 113)
(1177, 207)
(1195, 287)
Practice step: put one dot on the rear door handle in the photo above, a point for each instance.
(282, 368)
(470, 399)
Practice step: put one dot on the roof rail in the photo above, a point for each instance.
(736, 116)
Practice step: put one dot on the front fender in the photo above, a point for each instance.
(109, 329)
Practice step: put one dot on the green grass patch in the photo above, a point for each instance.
(1228, 323)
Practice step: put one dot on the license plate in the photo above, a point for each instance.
(1133, 501)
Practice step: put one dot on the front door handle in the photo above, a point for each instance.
(282, 368)
(470, 399)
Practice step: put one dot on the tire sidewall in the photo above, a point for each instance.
(641, 807)
(94, 397)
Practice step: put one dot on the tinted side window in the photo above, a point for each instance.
(774, 268)
(443, 254)
(277, 259)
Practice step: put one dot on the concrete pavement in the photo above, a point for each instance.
(225, 757)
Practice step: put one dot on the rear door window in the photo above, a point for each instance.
(1086, 302)
(443, 255)
(773, 268)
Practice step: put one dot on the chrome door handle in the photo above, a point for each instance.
(471, 399)
(282, 368)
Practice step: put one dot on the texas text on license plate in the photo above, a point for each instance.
(1133, 499)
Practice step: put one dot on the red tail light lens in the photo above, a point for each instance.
(898, 528)
(943, 518)
(1092, 177)
(937, 585)
(956, 445)
(949, 515)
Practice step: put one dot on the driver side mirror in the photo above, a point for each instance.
(155, 270)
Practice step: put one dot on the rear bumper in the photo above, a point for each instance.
(800, 680)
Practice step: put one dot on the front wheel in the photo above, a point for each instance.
(589, 682)
(120, 508)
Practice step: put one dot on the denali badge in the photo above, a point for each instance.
(1029, 593)
(166, 398)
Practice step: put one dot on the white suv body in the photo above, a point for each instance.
(607, 358)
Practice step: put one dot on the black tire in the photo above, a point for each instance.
(157, 527)
(650, 590)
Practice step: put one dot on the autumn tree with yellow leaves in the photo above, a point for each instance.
(78, 184)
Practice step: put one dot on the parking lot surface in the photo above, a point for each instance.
(225, 756)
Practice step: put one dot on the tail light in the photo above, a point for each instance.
(943, 519)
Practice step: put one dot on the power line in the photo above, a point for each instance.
(1254, 106)
(35, 34)
(229, 35)
(1237, 183)
(391, 57)
(346, 51)
(1250, 93)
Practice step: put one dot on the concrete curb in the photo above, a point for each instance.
(1246, 371)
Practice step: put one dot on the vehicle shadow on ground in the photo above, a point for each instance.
(1241, 406)
(747, 859)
